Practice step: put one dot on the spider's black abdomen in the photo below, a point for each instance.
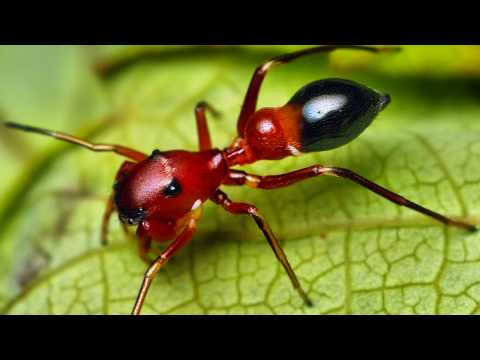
(335, 111)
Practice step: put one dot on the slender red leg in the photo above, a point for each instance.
(119, 149)
(159, 262)
(222, 199)
(276, 181)
(106, 218)
(204, 140)
(250, 101)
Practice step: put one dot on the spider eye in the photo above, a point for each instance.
(172, 189)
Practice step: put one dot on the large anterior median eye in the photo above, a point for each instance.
(321, 106)
(172, 189)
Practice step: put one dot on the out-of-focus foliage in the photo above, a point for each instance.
(354, 252)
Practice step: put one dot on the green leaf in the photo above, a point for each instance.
(353, 251)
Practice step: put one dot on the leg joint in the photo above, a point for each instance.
(318, 169)
(200, 106)
(252, 210)
(155, 267)
(262, 69)
(203, 105)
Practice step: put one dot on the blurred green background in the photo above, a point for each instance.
(354, 252)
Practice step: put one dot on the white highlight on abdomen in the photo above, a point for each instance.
(320, 106)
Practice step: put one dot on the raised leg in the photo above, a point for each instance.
(277, 181)
(204, 140)
(119, 149)
(250, 101)
(159, 262)
(222, 199)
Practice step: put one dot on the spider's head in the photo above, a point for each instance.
(166, 185)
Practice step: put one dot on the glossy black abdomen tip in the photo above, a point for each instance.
(384, 101)
(335, 111)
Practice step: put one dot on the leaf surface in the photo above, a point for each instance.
(354, 252)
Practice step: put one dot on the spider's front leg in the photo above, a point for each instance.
(160, 262)
(119, 149)
(132, 154)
